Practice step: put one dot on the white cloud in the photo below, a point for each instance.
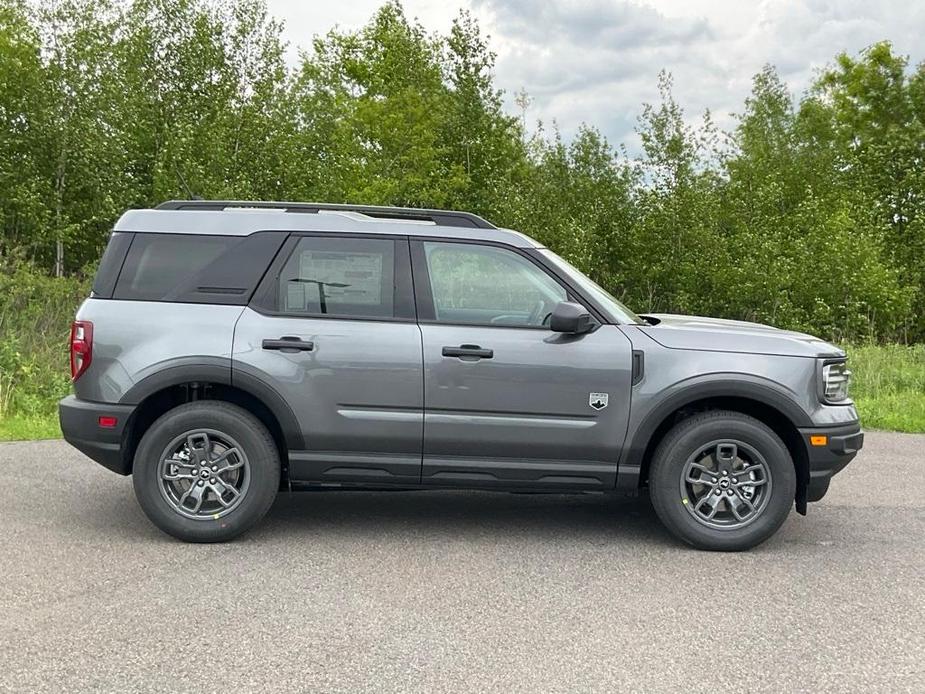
(597, 60)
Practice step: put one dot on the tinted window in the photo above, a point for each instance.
(339, 277)
(486, 284)
(157, 263)
(111, 263)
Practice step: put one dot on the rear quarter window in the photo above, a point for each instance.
(191, 268)
(157, 263)
(107, 273)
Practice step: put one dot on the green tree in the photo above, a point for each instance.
(23, 119)
(484, 146)
(878, 122)
(676, 246)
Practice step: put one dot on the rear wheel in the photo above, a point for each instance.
(722, 481)
(206, 471)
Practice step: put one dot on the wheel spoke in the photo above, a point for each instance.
(749, 472)
(705, 478)
(220, 488)
(223, 458)
(712, 501)
(703, 469)
(197, 493)
(200, 446)
(735, 501)
(725, 455)
(172, 473)
(174, 476)
(752, 483)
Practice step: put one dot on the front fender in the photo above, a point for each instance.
(649, 413)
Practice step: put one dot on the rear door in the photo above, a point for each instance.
(508, 402)
(332, 330)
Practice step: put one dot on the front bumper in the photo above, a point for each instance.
(80, 424)
(830, 455)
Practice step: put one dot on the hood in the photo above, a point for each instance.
(721, 335)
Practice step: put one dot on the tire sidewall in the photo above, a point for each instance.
(668, 466)
(250, 434)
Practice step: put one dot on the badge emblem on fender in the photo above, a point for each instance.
(597, 400)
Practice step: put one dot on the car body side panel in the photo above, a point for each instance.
(676, 377)
(357, 395)
(133, 340)
(524, 416)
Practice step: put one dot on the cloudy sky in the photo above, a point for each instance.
(596, 61)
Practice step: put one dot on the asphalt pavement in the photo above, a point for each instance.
(457, 591)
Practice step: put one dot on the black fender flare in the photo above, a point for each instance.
(219, 370)
(686, 392)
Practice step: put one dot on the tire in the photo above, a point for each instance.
(174, 464)
(728, 441)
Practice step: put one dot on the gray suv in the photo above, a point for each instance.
(233, 349)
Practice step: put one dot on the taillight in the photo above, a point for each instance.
(81, 347)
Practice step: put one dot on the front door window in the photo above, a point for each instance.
(486, 285)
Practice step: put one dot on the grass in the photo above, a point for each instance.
(19, 428)
(888, 387)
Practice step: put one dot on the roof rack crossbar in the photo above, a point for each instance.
(449, 218)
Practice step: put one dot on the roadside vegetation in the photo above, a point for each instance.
(888, 386)
(809, 214)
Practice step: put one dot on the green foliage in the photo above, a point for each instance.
(35, 316)
(809, 215)
(889, 385)
(18, 428)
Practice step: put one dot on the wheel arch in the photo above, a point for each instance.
(765, 403)
(173, 386)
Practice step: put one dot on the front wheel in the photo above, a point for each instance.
(206, 471)
(722, 481)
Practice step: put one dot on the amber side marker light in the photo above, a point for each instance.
(818, 440)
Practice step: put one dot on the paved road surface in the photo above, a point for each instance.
(440, 591)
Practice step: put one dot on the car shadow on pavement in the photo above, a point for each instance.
(465, 513)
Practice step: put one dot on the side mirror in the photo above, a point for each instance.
(570, 318)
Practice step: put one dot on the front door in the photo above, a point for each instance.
(332, 331)
(508, 402)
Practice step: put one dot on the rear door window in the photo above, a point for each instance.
(340, 277)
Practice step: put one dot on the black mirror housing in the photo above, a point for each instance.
(568, 317)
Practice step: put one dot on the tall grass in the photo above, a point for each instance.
(35, 316)
(36, 311)
(889, 385)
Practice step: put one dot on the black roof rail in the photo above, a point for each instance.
(448, 218)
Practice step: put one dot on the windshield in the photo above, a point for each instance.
(618, 311)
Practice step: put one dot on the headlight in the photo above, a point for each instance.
(835, 381)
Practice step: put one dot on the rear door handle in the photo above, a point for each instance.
(289, 343)
(468, 351)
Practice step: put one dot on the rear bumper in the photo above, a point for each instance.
(840, 446)
(80, 424)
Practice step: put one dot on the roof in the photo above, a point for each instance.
(242, 218)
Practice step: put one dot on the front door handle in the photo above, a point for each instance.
(289, 343)
(464, 351)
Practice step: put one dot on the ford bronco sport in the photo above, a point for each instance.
(232, 349)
